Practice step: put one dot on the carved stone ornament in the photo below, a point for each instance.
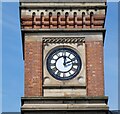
(51, 40)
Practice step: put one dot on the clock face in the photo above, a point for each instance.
(63, 63)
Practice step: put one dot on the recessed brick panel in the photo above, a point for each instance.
(33, 68)
(95, 73)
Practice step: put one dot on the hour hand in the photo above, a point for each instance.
(68, 65)
(70, 61)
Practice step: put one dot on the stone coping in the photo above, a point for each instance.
(63, 6)
(58, 1)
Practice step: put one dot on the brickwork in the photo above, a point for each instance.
(62, 21)
(33, 68)
(94, 70)
(95, 73)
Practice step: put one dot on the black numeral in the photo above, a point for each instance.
(58, 55)
(52, 64)
(73, 59)
(64, 75)
(58, 73)
(64, 53)
(73, 69)
(54, 69)
(75, 64)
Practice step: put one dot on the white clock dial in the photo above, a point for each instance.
(63, 63)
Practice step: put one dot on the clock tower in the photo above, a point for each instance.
(63, 53)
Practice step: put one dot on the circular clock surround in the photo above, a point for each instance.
(63, 63)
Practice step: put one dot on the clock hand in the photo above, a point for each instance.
(64, 56)
(67, 65)
(70, 61)
(64, 60)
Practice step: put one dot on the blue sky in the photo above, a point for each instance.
(13, 64)
(111, 55)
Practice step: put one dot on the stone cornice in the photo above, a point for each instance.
(59, 7)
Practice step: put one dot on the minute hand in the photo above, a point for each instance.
(64, 60)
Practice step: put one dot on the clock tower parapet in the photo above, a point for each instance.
(82, 15)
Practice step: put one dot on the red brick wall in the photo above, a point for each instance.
(95, 72)
(33, 68)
